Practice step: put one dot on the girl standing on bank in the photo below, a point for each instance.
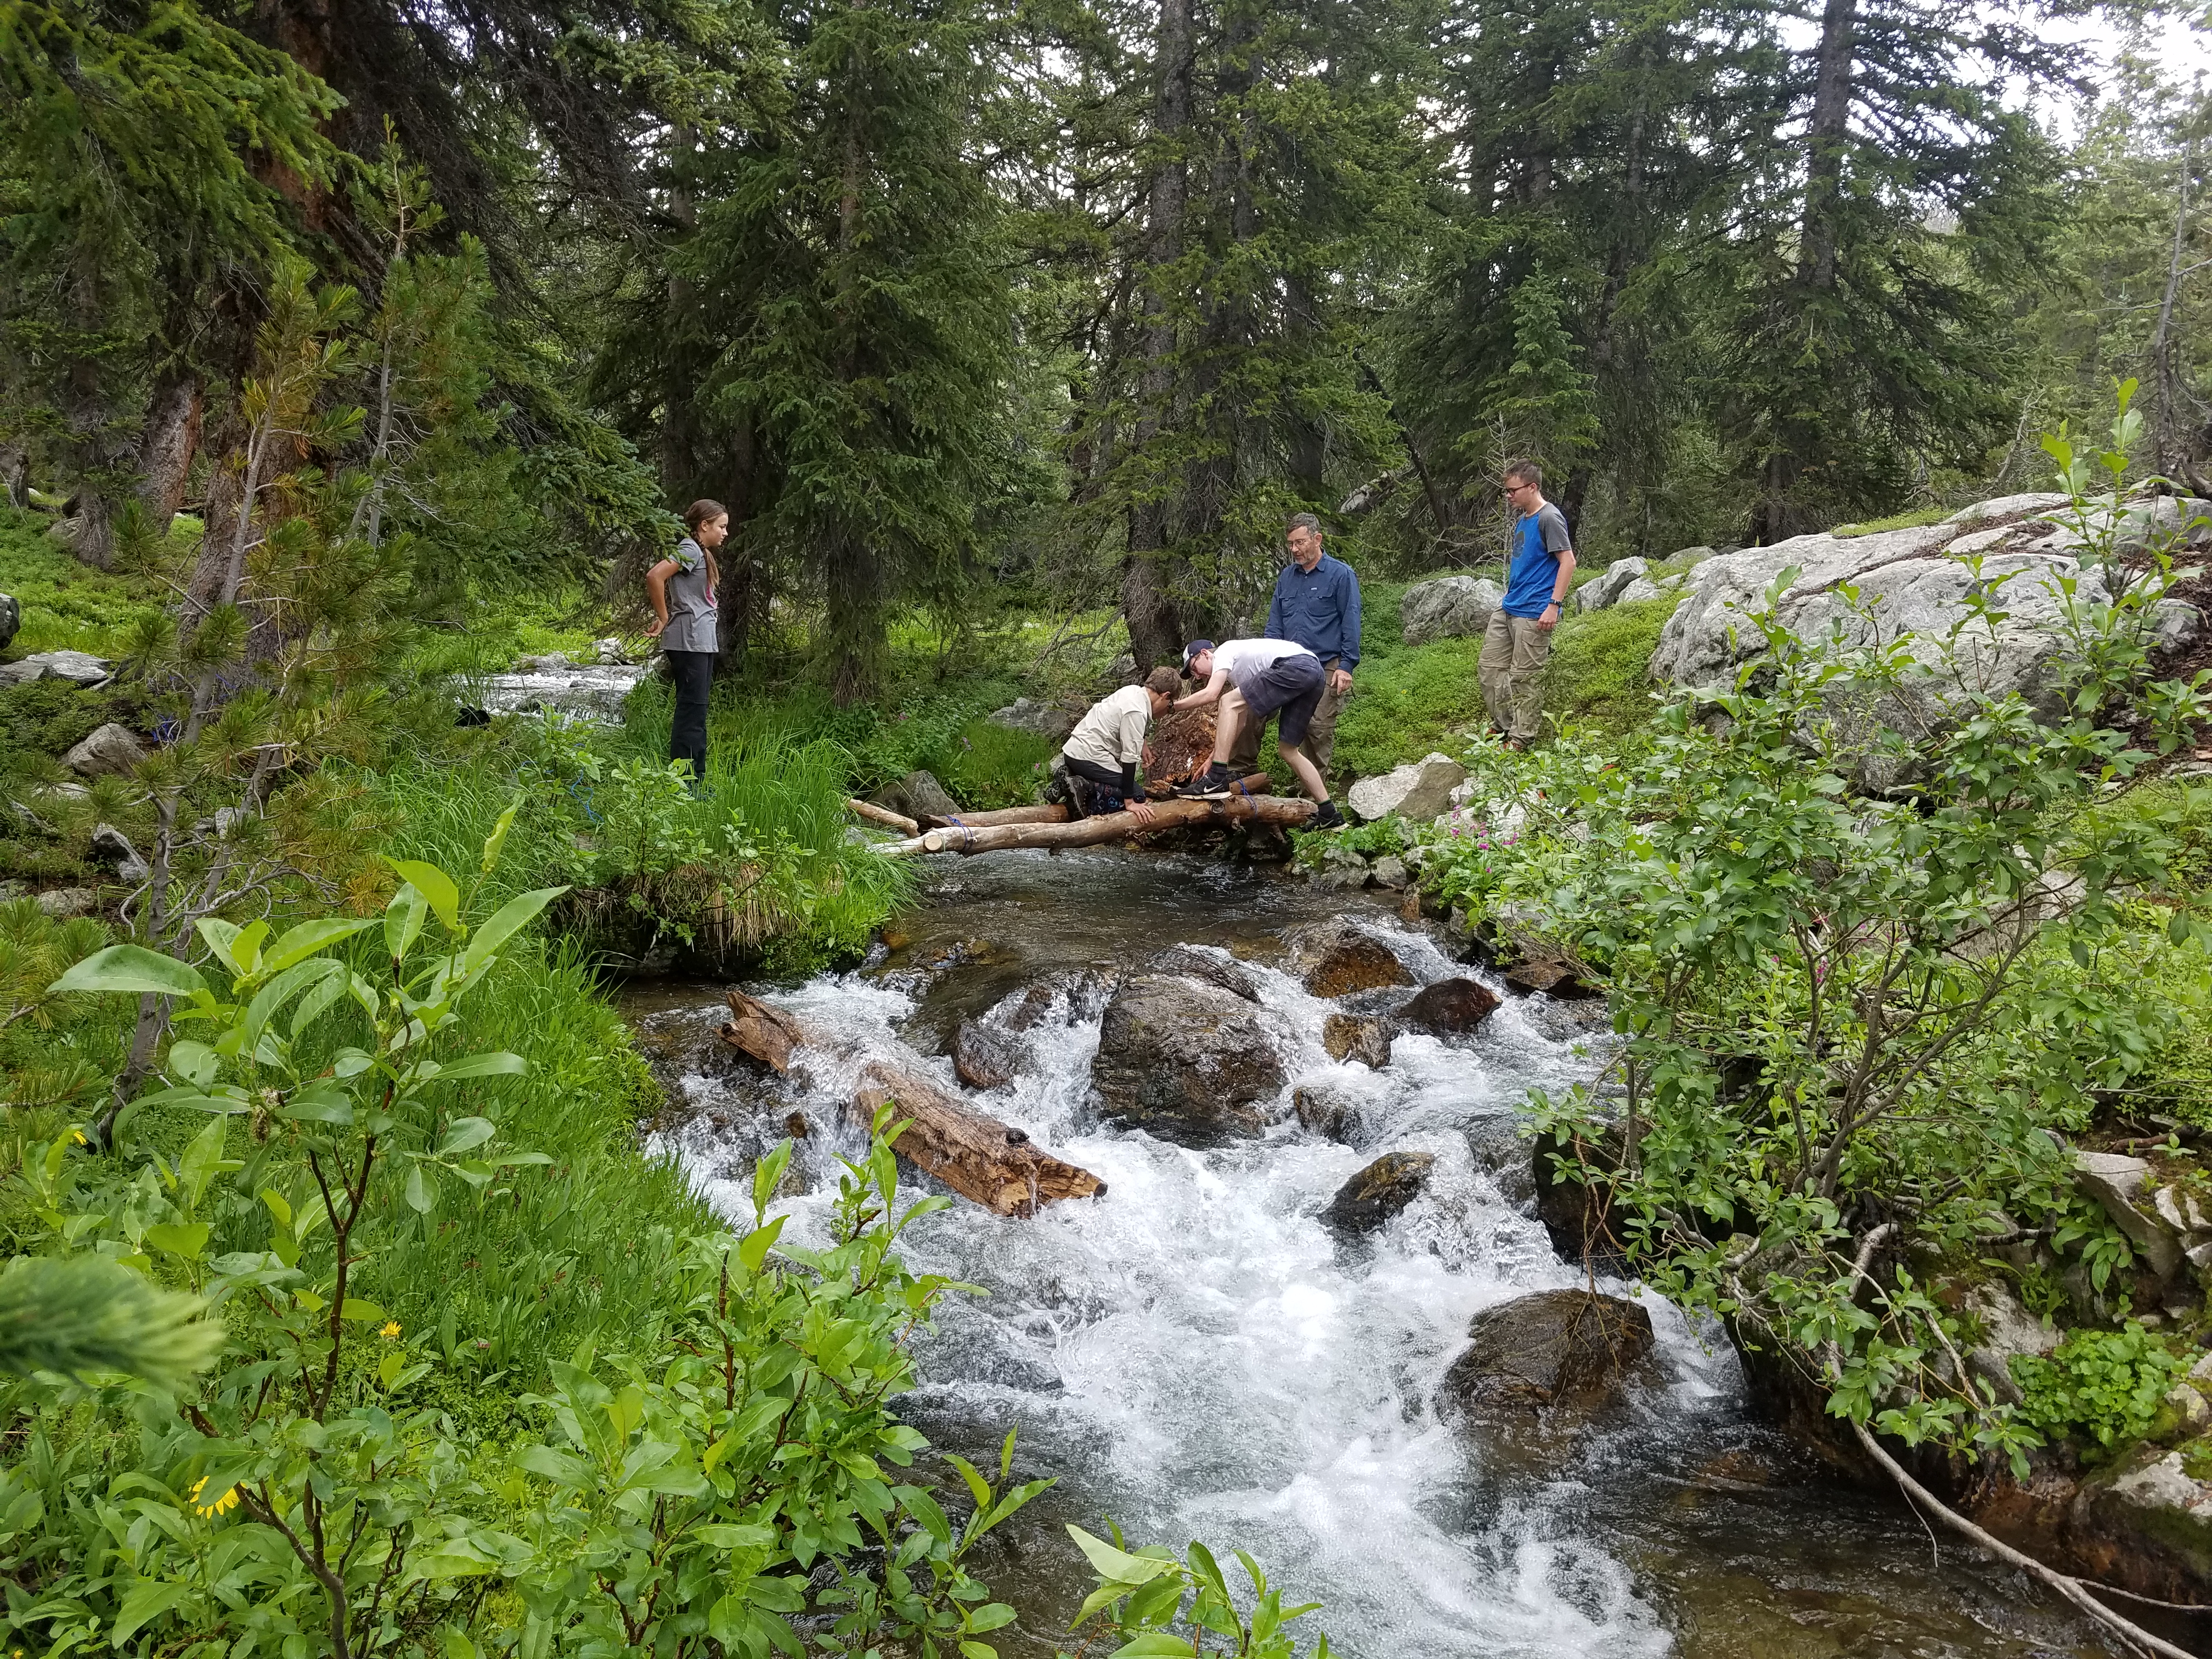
(681, 589)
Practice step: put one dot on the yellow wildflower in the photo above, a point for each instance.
(225, 1499)
(80, 1140)
(391, 1329)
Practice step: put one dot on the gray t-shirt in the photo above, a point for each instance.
(691, 603)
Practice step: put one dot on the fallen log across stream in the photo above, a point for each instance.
(974, 1153)
(997, 816)
(968, 838)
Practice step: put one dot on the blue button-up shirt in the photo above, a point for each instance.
(1319, 609)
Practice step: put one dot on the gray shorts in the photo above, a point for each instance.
(1292, 684)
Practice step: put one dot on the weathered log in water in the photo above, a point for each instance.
(999, 815)
(884, 815)
(976, 1155)
(1110, 826)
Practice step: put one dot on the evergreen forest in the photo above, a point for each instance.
(390, 1269)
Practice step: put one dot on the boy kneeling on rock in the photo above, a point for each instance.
(1104, 752)
(1251, 679)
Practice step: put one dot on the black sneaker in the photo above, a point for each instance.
(1212, 784)
(1326, 817)
(1079, 799)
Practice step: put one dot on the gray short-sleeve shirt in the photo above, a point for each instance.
(690, 603)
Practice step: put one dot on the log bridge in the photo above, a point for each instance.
(1047, 826)
(975, 1154)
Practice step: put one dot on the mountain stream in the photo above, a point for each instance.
(1197, 1356)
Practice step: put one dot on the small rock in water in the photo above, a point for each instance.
(1556, 977)
(1379, 1192)
(1552, 1359)
(553, 662)
(1390, 871)
(1215, 968)
(1451, 1007)
(1334, 957)
(987, 1058)
(609, 652)
(1324, 1111)
(1364, 1037)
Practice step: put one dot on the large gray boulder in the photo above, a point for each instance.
(1050, 721)
(112, 749)
(1417, 793)
(1451, 607)
(1914, 584)
(917, 795)
(78, 667)
(1187, 1060)
(1605, 588)
(1549, 1360)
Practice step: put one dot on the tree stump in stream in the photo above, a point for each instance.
(976, 1155)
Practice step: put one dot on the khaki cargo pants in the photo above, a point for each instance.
(1512, 673)
(1321, 732)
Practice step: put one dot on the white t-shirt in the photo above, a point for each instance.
(1112, 732)
(1244, 657)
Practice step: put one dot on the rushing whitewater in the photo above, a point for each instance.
(1196, 1355)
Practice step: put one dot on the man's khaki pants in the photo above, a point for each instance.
(1512, 673)
(1321, 732)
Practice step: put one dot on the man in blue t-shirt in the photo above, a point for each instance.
(1540, 569)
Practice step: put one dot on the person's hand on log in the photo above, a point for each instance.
(1141, 810)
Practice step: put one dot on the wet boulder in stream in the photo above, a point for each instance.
(1187, 1060)
(1363, 1038)
(1215, 967)
(986, 1057)
(1334, 958)
(1378, 1192)
(1451, 1007)
(1546, 1361)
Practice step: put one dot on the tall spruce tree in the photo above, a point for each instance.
(1862, 335)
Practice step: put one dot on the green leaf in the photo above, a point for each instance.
(558, 1467)
(978, 1650)
(132, 968)
(990, 1616)
(1155, 1645)
(753, 1249)
(510, 919)
(436, 886)
(495, 1063)
(978, 1488)
(403, 924)
(220, 937)
(466, 1132)
(281, 989)
(187, 1239)
(496, 842)
(151, 1599)
(1117, 1565)
(299, 943)
(421, 1191)
(359, 1310)
(195, 1062)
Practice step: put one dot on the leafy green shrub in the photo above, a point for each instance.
(1144, 1597)
(1852, 1021)
(313, 1494)
(2105, 1385)
(1599, 673)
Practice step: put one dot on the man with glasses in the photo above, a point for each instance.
(1540, 569)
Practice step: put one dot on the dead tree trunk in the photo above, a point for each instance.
(976, 1155)
(1002, 814)
(1110, 826)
